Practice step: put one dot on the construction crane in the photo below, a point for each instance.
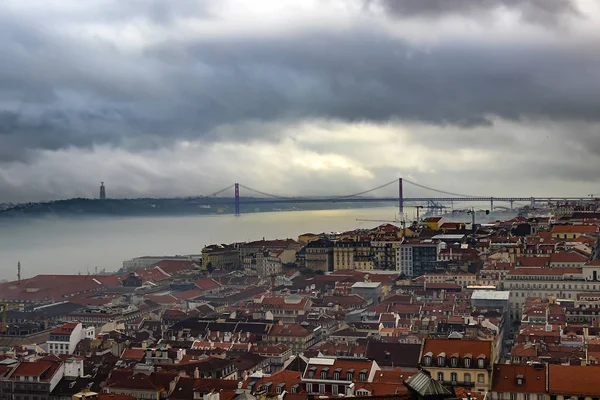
(5, 308)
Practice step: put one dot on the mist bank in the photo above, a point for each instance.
(148, 207)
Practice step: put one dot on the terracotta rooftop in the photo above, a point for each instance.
(574, 229)
(462, 348)
(574, 380)
(532, 378)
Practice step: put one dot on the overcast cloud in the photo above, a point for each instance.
(169, 98)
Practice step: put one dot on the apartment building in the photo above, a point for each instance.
(352, 255)
(563, 283)
(220, 256)
(459, 362)
(416, 257)
(319, 255)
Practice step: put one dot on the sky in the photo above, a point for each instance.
(293, 97)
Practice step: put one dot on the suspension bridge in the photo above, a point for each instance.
(360, 197)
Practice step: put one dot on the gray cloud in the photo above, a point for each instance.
(63, 89)
(538, 11)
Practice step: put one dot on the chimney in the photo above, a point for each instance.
(196, 373)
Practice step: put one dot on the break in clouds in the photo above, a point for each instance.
(168, 98)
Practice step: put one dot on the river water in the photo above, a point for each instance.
(67, 246)
(70, 246)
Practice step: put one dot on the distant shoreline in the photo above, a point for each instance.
(168, 207)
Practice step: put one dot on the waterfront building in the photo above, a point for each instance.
(319, 255)
(352, 255)
(221, 256)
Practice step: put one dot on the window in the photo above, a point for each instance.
(480, 378)
(468, 362)
(500, 396)
(467, 378)
(427, 360)
(454, 362)
(513, 396)
(323, 374)
(453, 378)
(334, 390)
(527, 396)
(481, 362)
(322, 389)
(540, 397)
(336, 374)
(309, 388)
(440, 377)
(441, 360)
(349, 375)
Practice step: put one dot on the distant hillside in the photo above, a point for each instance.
(158, 207)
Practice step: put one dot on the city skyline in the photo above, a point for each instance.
(294, 97)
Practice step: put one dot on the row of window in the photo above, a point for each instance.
(454, 378)
(545, 286)
(513, 396)
(454, 362)
(362, 376)
(335, 389)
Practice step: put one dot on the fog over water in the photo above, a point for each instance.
(69, 246)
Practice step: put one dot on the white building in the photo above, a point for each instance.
(563, 283)
(65, 338)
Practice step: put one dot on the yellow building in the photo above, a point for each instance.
(221, 256)
(307, 237)
(352, 255)
(572, 231)
(319, 255)
(458, 362)
(433, 222)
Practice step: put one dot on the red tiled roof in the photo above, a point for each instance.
(344, 366)
(65, 329)
(34, 368)
(574, 380)
(153, 275)
(293, 330)
(289, 378)
(532, 261)
(505, 378)
(133, 354)
(463, 347)
(175, 267)
(136, 382)
(207, 284)
(567, 258)
(574, 229)
(55, 287)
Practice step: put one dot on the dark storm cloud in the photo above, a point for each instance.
(62, 90)
(539, 11)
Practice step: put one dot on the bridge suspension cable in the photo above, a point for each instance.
(269, 194)
(218, 192)
(437, 190)
(366, 191)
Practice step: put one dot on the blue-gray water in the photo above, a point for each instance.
(65, 246)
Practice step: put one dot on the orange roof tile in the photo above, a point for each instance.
(573, 380)
(505, 378)
(463, 347)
